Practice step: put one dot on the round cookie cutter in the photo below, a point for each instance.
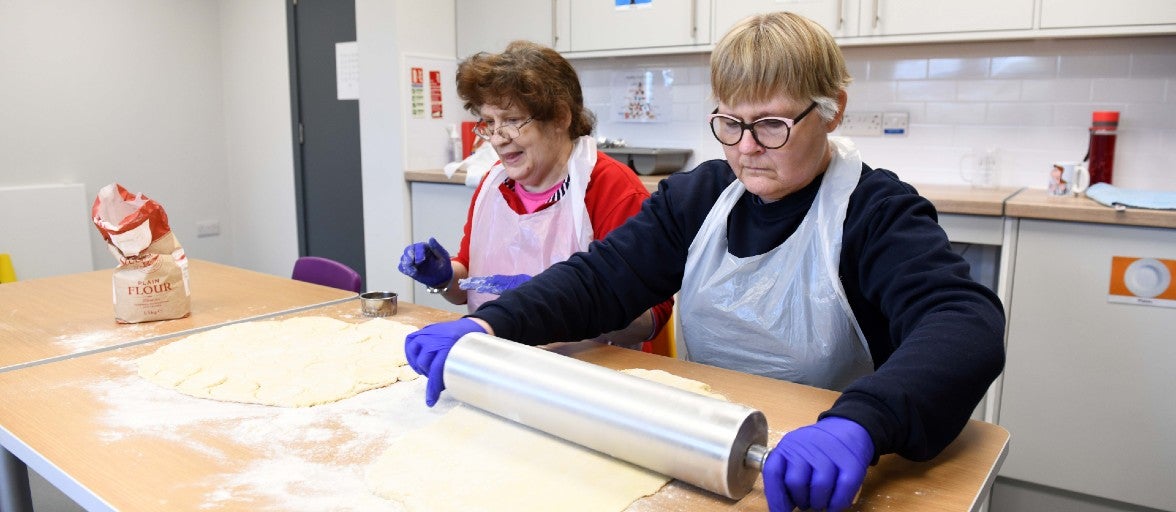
(378, 303)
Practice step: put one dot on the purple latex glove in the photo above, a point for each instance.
(427, 349)
(819, 467)
(495, 284)
(428, 263)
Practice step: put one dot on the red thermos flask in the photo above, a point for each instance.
(1102, 146)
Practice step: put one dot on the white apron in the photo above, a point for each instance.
(784, 313)
(504, 242)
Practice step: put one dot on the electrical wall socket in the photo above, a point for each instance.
(207, 228)
(874, 124)
(895, 124)
(867, 124)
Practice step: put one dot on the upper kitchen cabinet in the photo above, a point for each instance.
(488, 26)
(839, 17)
(597, 28)
(651, 27)
(1128, 15)
(942, 17)
(868, 21)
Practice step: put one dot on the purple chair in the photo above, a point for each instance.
(326, 272)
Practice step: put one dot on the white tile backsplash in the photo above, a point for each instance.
(1128, 90)
(1148, 118)
(1057, 90)
(1019, 114)
(1144, 65)
(1094, 66)
(903, 69)
(1030, 99)
(955, 113)
(988, 90)
(874, 91)
(927, 90)
(1024, 66)
(958, 68)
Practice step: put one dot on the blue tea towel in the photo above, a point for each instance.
(1119, 198)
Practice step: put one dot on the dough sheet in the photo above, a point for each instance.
(297, 362)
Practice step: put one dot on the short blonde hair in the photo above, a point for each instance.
(768, 55)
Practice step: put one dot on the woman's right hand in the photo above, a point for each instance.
(428, 263)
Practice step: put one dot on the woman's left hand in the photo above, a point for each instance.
(427, 349)
(819, 467)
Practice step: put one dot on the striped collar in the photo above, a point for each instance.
(563, 188)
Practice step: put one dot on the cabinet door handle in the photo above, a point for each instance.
(841, 14)
(694, 20)
(554, 26)
(877, 14)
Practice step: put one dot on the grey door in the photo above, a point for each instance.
(327, 160)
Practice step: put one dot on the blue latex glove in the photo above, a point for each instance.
(819, 467)
(428, 263)
(495, 284)
(427, 349)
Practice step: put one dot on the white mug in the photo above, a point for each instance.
(981, 168)
(1068, 178)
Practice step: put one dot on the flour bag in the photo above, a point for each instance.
(151, 280)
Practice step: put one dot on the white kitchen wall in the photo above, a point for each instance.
(1031, 100)
(258, 144)
(188, 101)
(387, 30)
(119, 90)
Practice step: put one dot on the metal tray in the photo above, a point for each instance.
(647, 161)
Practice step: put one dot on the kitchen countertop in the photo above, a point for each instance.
(962, 199)
(1033, 203)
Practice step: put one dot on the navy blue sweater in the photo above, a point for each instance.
(936, 335)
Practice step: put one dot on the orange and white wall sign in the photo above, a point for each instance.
(1146, 281)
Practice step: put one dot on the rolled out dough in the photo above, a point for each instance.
(473, 460)
(297, 362)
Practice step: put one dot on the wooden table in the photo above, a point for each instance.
(57, 318)
(51, 318)
(111, 440)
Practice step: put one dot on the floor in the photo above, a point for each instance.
(47, 498)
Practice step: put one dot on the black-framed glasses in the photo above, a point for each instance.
(507, 131)
(769, 132)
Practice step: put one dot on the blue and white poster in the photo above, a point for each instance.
(630, 4)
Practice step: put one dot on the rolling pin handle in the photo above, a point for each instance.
(756, 455)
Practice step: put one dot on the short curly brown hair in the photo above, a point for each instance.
(527, 74)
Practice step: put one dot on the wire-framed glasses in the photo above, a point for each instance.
(769, 132)
(507, 131)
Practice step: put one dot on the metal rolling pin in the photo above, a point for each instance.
(710, 443)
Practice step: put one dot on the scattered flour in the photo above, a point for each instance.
(90, 340)
(309, 458)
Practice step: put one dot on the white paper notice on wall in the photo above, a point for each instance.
(433, 107)
(1143, 281)
(642, 95)
(347, 70)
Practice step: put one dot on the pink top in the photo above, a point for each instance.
(533, 200)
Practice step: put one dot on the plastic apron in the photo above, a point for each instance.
(504, 242)
(784, 313)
